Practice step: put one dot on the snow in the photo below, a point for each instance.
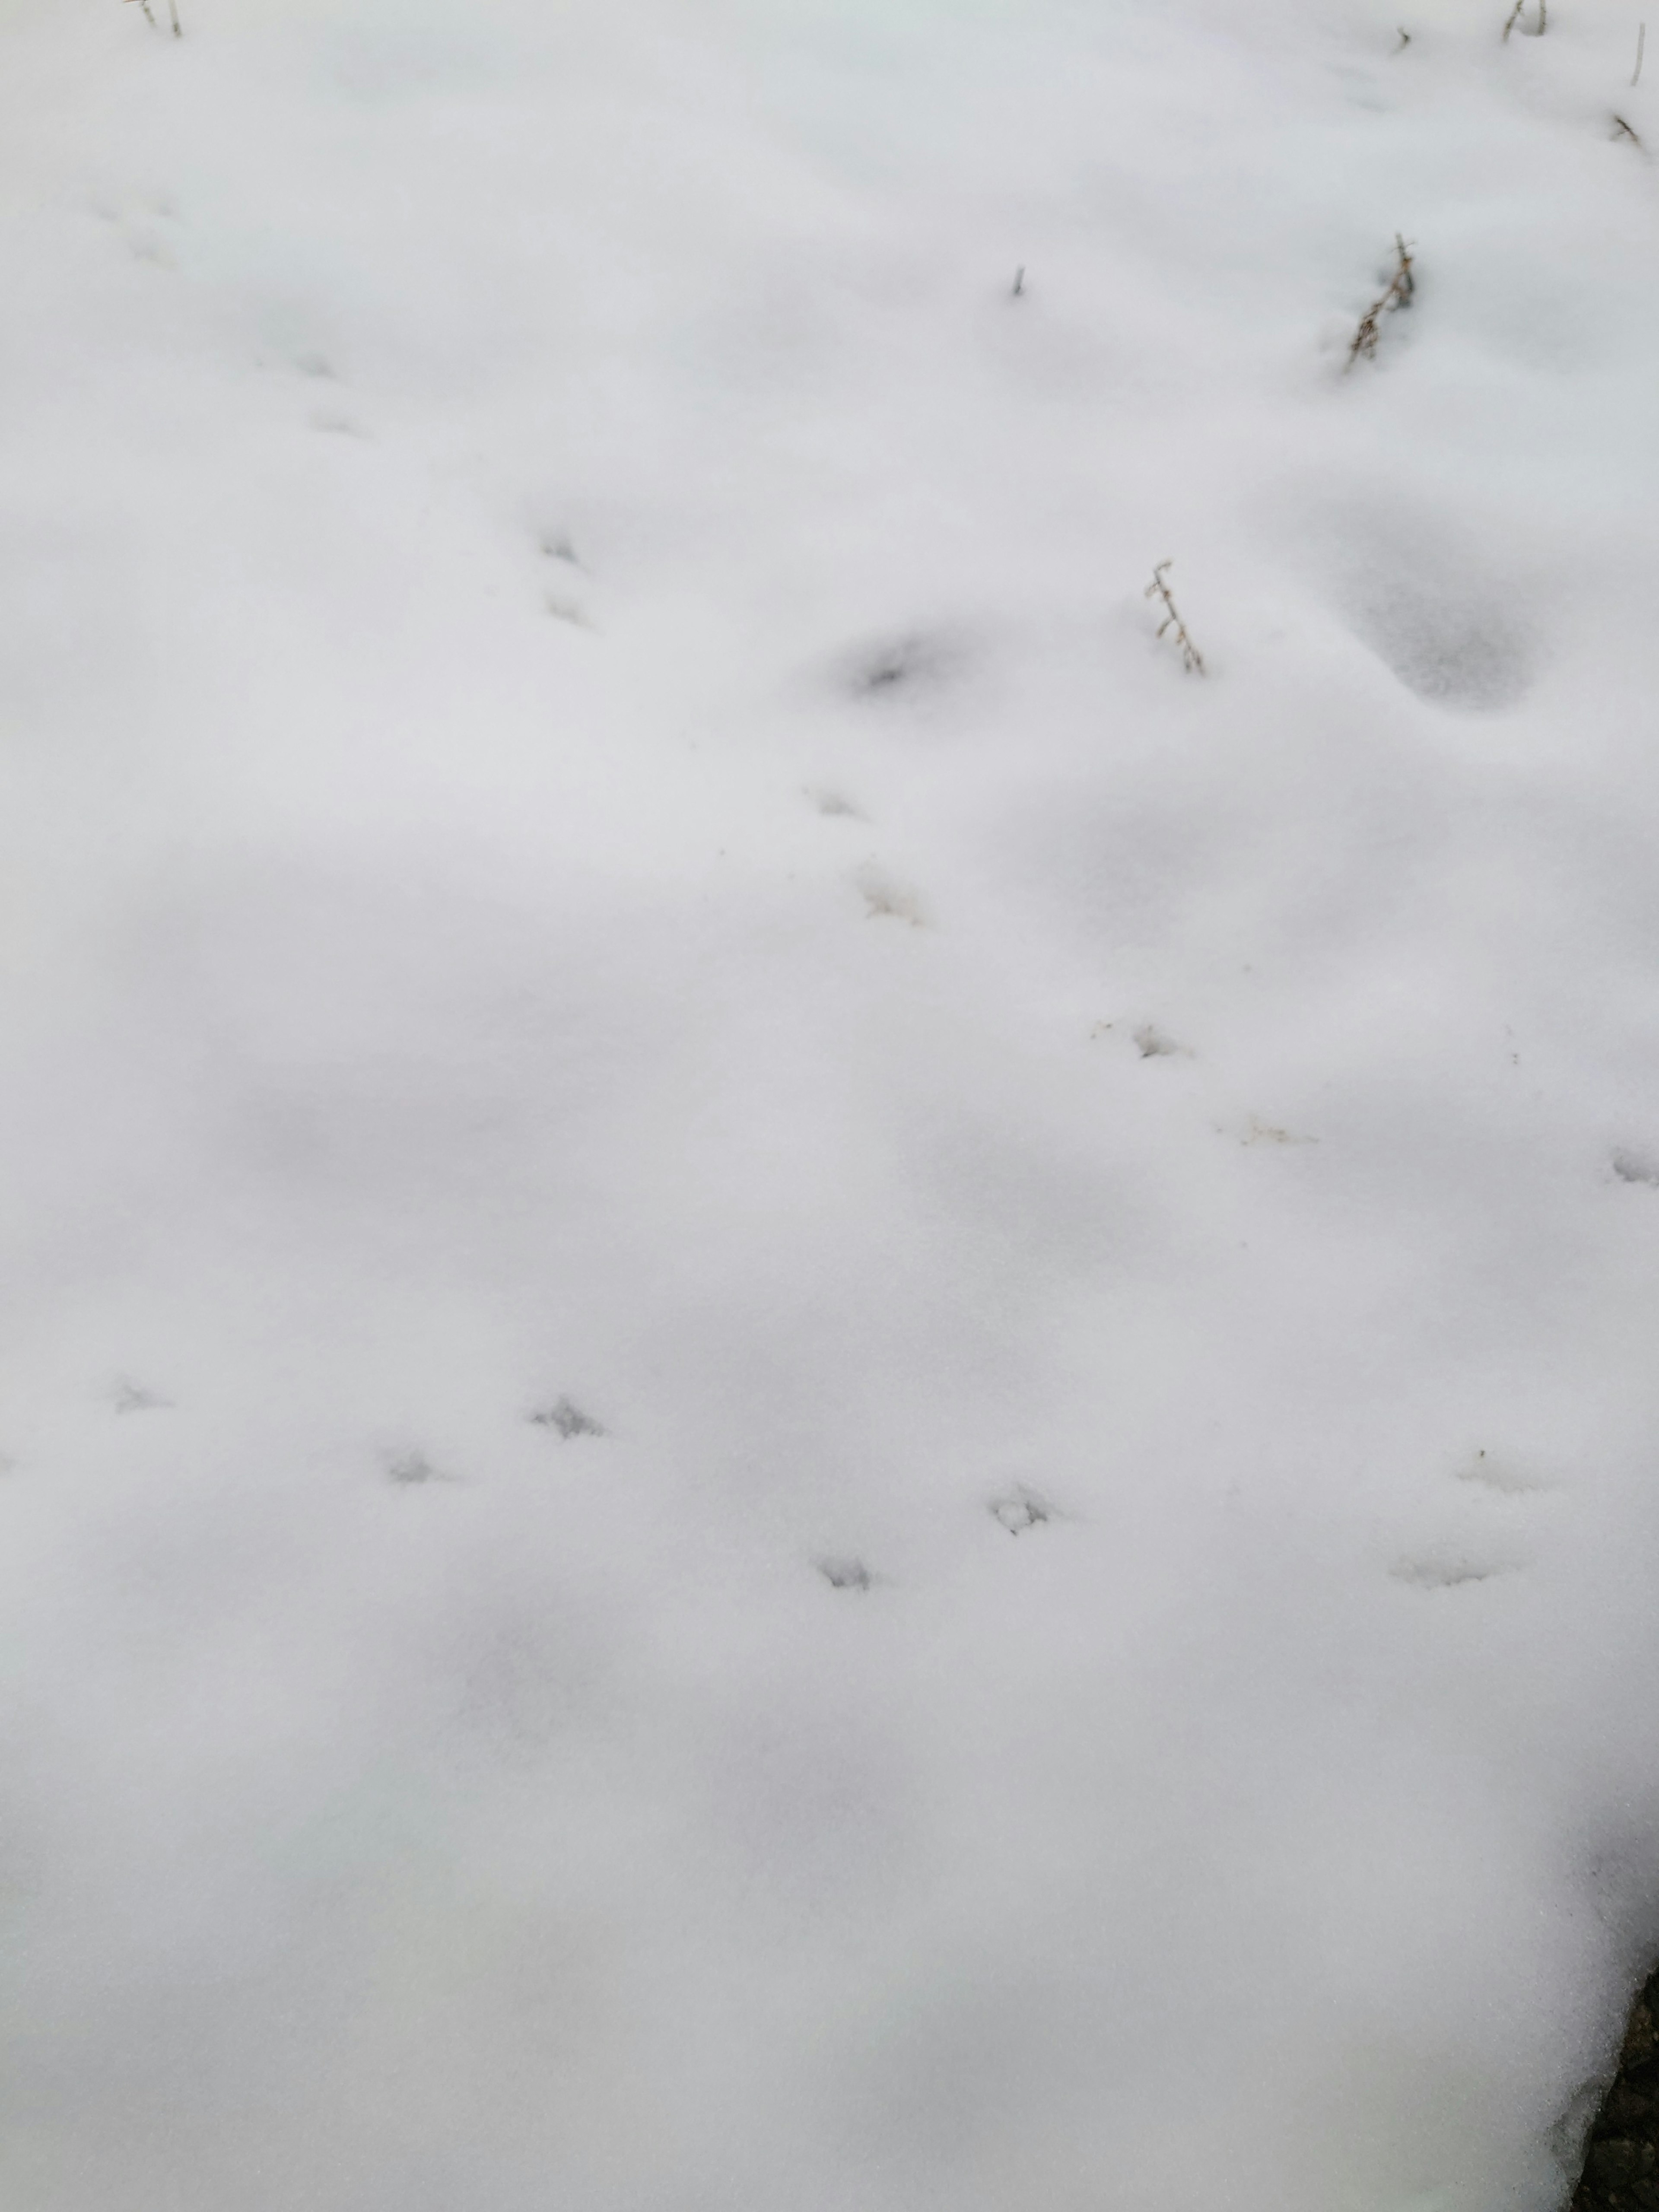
(815, 1395)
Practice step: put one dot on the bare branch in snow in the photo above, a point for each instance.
(1402, 286)
(1191, 658)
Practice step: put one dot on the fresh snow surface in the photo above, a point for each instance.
(818, 1399)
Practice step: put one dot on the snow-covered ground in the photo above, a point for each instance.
(816, 1398)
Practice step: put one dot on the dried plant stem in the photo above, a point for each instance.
(178, 27)
(1191, 658)
(1519, 10)
(1641, 41)
(1622, 130)
(1401, 285)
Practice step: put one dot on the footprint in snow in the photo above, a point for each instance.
(1450, 1566)
(1488, 1472)
(886, 898)
(409, 1470)
(567, 1419)
(832, 803)
(1491, 1548)
(1021, 1509)
(1258, 1132)
(564, 602)
(1149, 1040)
(890, 668)
(131, 1398)
(898, 668)
(846, 1574)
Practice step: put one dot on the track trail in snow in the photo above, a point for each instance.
(815, 1391)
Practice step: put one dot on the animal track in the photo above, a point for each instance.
(131, 1398)
(1500, 1476)
(1021, 1509)
(1490, 1543)
(409, 1469)
(848, 1574)
(898, 667)
(886, 898)
(1450, 1566)
(568, 1420)
(832, 802)
(1258, 1132)
(891, 665)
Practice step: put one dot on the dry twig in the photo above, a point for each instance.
(1518, 12)
(1641, 42)
(1622, 130)
(1401, 285)
(1191, 658)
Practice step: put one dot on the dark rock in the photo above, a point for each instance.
(1621, 2164)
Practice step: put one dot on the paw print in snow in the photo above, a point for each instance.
(846, 1574)
(132, 1398)
(1020, 1509)
(885, 898)
(568, 1419)
(409, 1470)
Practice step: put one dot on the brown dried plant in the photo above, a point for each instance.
(1402, 286)
(1518, 16)
(1191, 658)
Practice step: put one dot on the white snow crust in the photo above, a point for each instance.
(816, 1398)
